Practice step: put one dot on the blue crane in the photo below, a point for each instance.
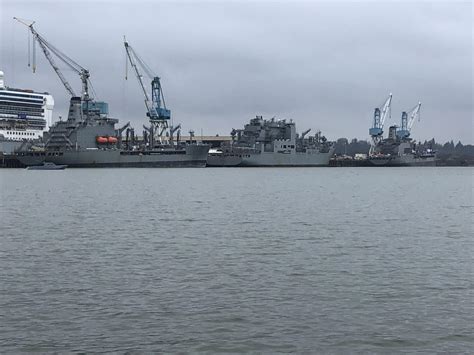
(156, 107)
(380, 115)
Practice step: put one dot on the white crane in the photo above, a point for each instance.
(48, 50)
(386, 111)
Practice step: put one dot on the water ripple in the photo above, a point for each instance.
(260, 261)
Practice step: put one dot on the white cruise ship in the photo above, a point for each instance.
(24, 115)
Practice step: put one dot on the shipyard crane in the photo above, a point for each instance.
(119, 131)
(172, 130)
(380, 116)
(49, 50)
(408, 119)
(305, 133)
(157, 112)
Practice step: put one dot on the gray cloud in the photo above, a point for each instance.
(326, 65)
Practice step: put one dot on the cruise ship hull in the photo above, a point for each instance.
(191, 156)
(24, 116)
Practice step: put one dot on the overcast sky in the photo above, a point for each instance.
(326, 65)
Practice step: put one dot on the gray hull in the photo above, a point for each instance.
(282, 159)
(222, 160)
(192, 156)
(271, 159)
(9, 147)
(407, 160)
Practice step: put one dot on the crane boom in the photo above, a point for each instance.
(414, 115)
(55, 67)
(386, 111)
(48, 48)
(132, 57)
(156, 107)
(408, 119)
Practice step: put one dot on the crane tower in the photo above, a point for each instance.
(159, 116)
(408, 119)
(380, 115)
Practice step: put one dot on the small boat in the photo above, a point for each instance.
(47, 166)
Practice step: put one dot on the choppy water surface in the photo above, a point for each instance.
(237, 260)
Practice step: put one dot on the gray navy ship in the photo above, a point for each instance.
(272, 143)
(91, 140)
(398, 149)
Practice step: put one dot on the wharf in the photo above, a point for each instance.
(334, 162)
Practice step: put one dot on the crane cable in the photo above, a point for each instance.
(148, 71)
(29, 49)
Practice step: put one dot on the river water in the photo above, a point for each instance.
(307, 260)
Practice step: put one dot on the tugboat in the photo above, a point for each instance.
(272, 143)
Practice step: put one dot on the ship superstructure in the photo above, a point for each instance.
(272, 143)
(24, 115)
